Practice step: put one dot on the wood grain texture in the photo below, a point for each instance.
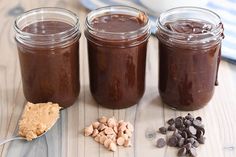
(66, 138)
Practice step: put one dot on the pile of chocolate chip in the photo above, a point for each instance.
(188, 134)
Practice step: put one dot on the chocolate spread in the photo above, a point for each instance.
(50, 73)
(188, 72)
(117, 64)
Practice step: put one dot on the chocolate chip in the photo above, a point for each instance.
(162, 130)
(192, 130)
(171, 128)
(197, 123)
(181, 142)
(176, 134)
(182, 152)
(188, 134)
(196, 144)
(202, 129)
(199, 118)
(179, 131)
(184, 134)
(199, 133)
(195, 137)
(171, 121)
(182, 128)
(187, 122)
(173, 141)
(178, 122)
(161, 142)
(180, 117)
(188, 146)
(201, 139)
(190, 140)
(189, 117)
(193, 152)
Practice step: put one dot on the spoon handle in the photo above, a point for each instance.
(5, 140)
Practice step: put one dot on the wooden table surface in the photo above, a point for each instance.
(65, 139)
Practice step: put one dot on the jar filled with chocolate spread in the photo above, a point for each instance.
(117, 38)
(189, 55)
(48, 48)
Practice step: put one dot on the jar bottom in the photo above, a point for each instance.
(64, 103)
(116, 105)
(182, 108)
(200, 102)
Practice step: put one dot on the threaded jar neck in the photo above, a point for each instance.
(207, 39)
(47, 14)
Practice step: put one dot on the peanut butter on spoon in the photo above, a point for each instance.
(38, 119)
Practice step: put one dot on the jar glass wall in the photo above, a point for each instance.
(48, 47)
(117, 39)
(189, 56)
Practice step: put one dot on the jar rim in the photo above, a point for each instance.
(108, 9)
(41, 10)
(217, 29)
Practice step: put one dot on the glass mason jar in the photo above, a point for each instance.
(48, 48)
(189, 55)
(117, 54)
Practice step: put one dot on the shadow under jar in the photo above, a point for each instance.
(117, 39)
(189, 55)
(48, 47)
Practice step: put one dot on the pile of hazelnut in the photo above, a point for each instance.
(110, 132)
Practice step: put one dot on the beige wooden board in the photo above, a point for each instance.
(66, 138)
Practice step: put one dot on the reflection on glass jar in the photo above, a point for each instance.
(189, 55)
(117, 43)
